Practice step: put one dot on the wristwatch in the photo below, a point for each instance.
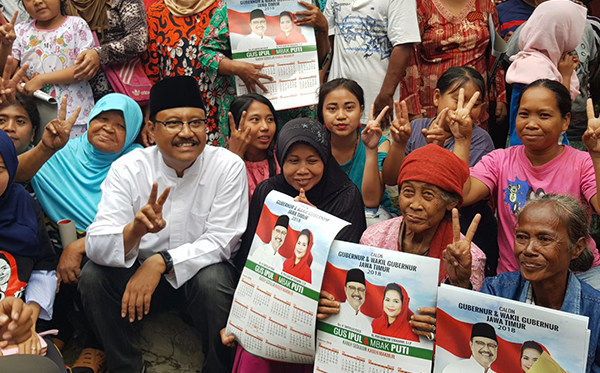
(168, 261)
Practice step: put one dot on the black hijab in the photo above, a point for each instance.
(335, 193)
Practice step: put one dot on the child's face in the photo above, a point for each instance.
(261, 121)
(539, 121)
(450, 99)
(42, 10)
(341, 112)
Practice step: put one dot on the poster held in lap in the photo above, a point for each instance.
(379, 290)
(275, 304)
(264, 32)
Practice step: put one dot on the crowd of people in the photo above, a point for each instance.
(166, 189)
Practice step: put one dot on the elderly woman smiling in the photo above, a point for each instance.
(550, 241)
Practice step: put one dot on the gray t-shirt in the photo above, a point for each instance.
(481, 142)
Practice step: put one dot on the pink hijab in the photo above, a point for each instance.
(555, 27)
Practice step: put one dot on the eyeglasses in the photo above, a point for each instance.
(481, 344)
(175, 126)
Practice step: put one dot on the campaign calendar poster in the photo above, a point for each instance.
(274, 309)
(264, 32)
(379, 291)
(508, 336)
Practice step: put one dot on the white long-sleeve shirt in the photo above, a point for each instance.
(206, 211)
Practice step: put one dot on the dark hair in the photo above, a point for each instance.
(28, 104)
(561, 94)
(241, 104)
(305, 232)
(533, 345)
(285, 14)
(455, 77)
(395, 287)
(347, 84)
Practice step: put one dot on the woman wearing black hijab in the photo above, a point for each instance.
(309, 175)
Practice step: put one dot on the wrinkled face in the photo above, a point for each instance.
(542, 244)
(261, 121)
(42, 10)
(422, 206)
(303, 167)
(4, 177)
(278, 237)
(392, 304)
(539, 121)
(258, 26)
(106, 131)
(528, 358)
(484, 350)
(15, 121)
(301, 246)
(355, 294)
(285, 23)
(341, 112)
(450, 99)
(180, 147)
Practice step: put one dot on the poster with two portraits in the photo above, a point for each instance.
(264, 32)
(480, 332)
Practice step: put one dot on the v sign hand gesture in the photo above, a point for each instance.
(56, 133)
(436, 134)
(7, 30)
(239, 138)
(401, 129)
(461, 123)
(149, 219)
(457, 255)
(591, 137)
(372, 132)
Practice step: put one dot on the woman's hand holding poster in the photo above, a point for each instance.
(481, 332)
(275, 304)
(379, 290)
(263, 32)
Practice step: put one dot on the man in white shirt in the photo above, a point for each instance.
(268, 253)
(256, 39)
(368, 36)
(350, 315)
(484, 351)
(170, 248)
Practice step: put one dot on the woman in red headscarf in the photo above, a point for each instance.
(396, 315)
(290, 34)
(299, 264)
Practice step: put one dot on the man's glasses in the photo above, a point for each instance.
(175, 126)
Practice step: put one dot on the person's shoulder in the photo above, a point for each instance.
(503, 283)
(222, 157)
(589, 295)
(136, 158)
(507, 5)
(73, 21)
(25, 25)
(377, 234)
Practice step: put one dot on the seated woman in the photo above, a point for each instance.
(359, 152)
(298, 265)
(289, 31)
(396, 315)
(310, 175)
(20, 121)
(530, 353)
(67, 179)
(27, 258)
(430, 186)
(550, 241)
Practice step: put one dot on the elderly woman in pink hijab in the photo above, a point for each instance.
(547, 43)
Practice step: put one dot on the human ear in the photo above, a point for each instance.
(566, 122)
(578, 248)
(436, 97)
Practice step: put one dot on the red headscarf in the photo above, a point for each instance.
(302, 269)
(400, 328)
(437, 166)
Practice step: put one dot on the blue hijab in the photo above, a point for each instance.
(68, 185)
(18, 222)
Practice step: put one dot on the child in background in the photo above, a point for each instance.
(359, 152)
(50, 43)
(546, 41)
(252, 128)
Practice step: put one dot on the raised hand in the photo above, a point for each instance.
(461, 123)
(251, 75)
(87, 65)
(381, 101)
(372, 132)
(7, 30)
(457, 255)
(591, 137)
(436, 134)
(149, 219)
(401, 129)
(311, 17)
(302, 198)
(239, 138)
(424, 323)
(56, 133)
(11, 80)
